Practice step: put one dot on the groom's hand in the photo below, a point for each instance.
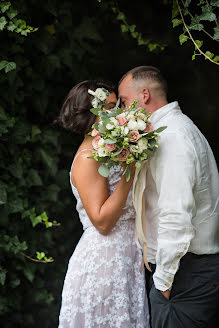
(166, 294)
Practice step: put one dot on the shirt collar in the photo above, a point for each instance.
(163, 111)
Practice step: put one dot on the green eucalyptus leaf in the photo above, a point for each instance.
(110, 141)
(95, 111)
(162, 128)
(104, 170)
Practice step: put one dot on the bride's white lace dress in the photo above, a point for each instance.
(103, 287)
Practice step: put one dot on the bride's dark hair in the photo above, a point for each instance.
(75, 113)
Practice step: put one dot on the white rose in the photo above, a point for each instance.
(102, 152)
(141, 125)
(100, 94)
(132, 125)
(109, 126)
(101, 142)
(142, 144)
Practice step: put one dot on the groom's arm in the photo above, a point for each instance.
(173, 170)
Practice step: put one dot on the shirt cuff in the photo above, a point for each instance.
(163, 281)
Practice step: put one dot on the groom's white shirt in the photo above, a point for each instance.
(182, 193)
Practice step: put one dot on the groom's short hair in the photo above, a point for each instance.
(147, 73)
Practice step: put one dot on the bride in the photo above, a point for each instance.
(103, 286)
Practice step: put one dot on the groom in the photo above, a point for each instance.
(182, 206)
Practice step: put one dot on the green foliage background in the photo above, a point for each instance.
(74, 41)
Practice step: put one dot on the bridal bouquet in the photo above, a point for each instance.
(121, 135)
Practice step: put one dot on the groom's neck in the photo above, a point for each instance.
(155, 105)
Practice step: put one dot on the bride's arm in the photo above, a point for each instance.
(103, 209)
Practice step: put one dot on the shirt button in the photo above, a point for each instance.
(167, 285)
(178, 256)
(174, 267)
(170, 279)
(185, 247)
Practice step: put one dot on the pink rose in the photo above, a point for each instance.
(134, 136)
(149, 127)
(122, 120)
(122, 157)
(95, 142)
(95, 133)
(110, 147)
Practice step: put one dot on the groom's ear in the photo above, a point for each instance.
(145, 95)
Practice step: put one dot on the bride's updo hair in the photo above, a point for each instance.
(75, 113)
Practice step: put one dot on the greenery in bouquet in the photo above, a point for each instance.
(122, 136)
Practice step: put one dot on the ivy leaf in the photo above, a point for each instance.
(124, 28)
(3, 22)
(11, 27)
(12, 13)
(120, 16)
(104, 170)
(195, 25)
(215, 3)
(176, 22)
(33, 178)
(4, 6)
(199, 43)
(2, 275)
(216, 59)
(3, 194)
(132, 28)
(207, 14)
(15, 205)
(216, 33)
(187, 3)
(175, 9)
(183, 38)
(10, 67)
(209, 54)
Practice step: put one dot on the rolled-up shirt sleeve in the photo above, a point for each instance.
(173, 170)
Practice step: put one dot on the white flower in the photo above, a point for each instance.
(100, 94)
(109, 126)
(101, 142)
(114, 121)
(130, 116)
(102, 152)
(141, 115)
(141, 125)
(124, 130)
(115, 133)
(134, 149)
(132, 125)
(142, 144)
(91, 92)
(95, 102)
